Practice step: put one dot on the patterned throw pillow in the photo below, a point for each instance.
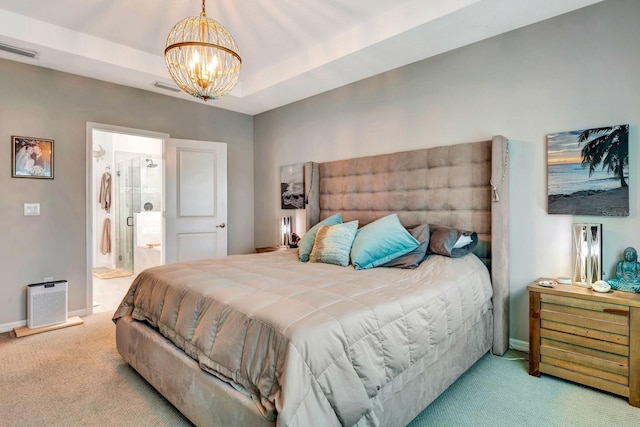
(333, 243)
(306, 243)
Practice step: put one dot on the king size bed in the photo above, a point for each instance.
(265, 339)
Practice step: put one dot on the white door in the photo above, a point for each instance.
(196, 200)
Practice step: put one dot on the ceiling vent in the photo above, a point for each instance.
(19, 51)
(166, 86)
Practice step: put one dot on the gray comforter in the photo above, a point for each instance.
(312, 343)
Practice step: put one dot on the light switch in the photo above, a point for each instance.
(31, 209)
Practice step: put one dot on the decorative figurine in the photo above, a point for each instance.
(627, 273)
(294, 240)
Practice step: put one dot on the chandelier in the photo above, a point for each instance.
(202, 57)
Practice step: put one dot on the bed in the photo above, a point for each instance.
(264, 339)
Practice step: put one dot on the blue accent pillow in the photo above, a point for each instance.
(414, 258)
(333, 243)
(306, 243)
(381, 241)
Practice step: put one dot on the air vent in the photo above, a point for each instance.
(19, 51)
(166, 86)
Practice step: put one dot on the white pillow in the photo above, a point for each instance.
(463, 241)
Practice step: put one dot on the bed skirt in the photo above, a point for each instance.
(201, 397)
(208, 401)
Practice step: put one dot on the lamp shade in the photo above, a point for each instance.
(587, 254)
(285, 231)
(202, 57)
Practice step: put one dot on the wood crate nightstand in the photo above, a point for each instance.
(270, 249)
(586, 337)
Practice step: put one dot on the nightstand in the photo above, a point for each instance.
(270, 249)
(587, 337)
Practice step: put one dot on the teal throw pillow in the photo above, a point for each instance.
(414, 258)
(333, 243)
(381, 241)
(306, 243)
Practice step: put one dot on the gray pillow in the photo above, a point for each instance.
(443, 241)
(416, 256)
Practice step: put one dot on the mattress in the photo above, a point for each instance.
(312, 343)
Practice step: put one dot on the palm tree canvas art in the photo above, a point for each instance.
(588, 171)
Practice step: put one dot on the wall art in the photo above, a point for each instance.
(31, 157)
(292, 186)
(588, 171)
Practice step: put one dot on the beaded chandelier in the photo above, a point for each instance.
(202, 57)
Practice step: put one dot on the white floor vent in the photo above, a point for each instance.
(46, 304)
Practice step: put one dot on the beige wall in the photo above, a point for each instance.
(43, 103)
(572, 72)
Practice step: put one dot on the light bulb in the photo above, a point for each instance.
(195, 60)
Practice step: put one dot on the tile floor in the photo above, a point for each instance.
(108, 293)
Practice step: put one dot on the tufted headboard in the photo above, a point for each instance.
(464, 186)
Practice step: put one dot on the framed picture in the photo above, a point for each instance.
(588, 171)
(292, 186)
(31, 157)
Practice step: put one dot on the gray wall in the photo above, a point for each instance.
(43, 103)
(572, 72)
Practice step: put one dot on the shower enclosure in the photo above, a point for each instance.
(138, 187)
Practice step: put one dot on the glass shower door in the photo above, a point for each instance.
(128, 186)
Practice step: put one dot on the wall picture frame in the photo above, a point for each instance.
(31, 157)
(588, 171)
(292, 186)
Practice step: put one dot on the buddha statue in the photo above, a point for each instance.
(627, 273)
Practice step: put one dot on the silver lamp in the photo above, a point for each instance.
(587, 254)
(285, 231)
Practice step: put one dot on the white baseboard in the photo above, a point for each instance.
(80, 313)
(519, 345)
(6, 327)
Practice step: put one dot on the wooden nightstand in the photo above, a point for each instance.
(270, 249)
(586, 337)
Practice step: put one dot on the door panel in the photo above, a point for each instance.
(193, 246)
(127, 202)
(196, 195)
(196, 183)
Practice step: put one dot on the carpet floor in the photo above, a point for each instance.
(75, 377)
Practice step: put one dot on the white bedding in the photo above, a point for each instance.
(335, 335)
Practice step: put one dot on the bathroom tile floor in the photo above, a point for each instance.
(108, 293)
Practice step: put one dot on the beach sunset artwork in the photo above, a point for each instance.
(588, 171)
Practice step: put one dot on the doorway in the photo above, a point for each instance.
(127, 229)
(193, 201)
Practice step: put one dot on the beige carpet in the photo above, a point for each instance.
(106, 273)
(75, 377)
